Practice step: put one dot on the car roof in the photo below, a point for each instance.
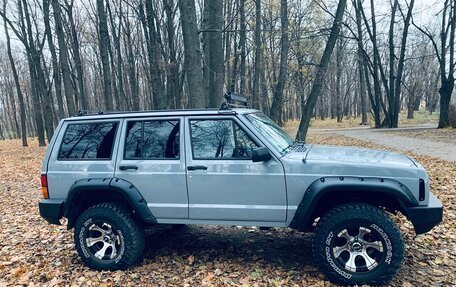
(160, 113)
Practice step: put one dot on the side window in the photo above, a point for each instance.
(157, 139)
(220, 139)
(88, 141)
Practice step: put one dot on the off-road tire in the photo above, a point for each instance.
(127, 236)
(376, 231)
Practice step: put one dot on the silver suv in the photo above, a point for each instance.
(114, 175)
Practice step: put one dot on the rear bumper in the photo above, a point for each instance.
(51, 210)
(425, 217)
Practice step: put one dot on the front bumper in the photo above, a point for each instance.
(52, 210)
(425, 217)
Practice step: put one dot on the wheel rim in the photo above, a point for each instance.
(103, 241)
(358, 249)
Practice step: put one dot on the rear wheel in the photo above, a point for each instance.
(358, 244)
(108, 238)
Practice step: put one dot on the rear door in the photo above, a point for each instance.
(150, 157)
(223, 182)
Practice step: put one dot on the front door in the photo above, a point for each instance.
(223, 183)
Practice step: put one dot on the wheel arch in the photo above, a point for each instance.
(87, 192)
(328, 192)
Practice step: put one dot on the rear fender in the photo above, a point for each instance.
(107, 189)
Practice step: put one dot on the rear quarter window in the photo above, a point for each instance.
(88, 141)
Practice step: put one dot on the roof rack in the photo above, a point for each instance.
(89, 112)
(233, 100)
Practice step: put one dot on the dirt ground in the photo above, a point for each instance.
(34, 253)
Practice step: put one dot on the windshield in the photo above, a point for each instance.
(271, 131)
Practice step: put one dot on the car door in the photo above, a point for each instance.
(151, 157)
(223, 183)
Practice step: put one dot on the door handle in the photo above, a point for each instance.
(127, 167)
(195, 167)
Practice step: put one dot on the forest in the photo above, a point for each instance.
(294, 59)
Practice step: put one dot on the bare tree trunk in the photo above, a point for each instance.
(55, 63)
(361, 63)
(173, 93)
(447, 83)
(376, 99)
(339, 109)
(234, 68)
(20, 96)
(104, 54)
(257, 61)
(400, 69)
(242, 40)
(392, 58)
(116, 33)
(227, 39)
(154, 57)
(214, 50)
(192, 53)
(320, 74)
(63, 58)
(277, 100)
(83, 102)
(134, 89)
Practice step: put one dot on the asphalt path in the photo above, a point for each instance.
(446, 151)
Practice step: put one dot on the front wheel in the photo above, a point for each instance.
(108, 238)
(358, 244)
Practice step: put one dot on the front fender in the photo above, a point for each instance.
(359, 185)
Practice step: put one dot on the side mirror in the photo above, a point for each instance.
(261, 154)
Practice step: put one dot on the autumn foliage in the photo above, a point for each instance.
(34, 253)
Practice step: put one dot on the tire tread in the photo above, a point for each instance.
(133, 249)
(323, 227)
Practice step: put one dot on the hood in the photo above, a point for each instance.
(354, 155)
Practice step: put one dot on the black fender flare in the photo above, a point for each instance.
(333, 184)
(106, 185)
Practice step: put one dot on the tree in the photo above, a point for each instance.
(258, 52)
(307, 109)
(361, 63)
(63, 58)
(17, 84)
(104, 55)
(277, 100)
(82, 98)
(213, 50)
(192, 55)
(445, 52)
(33, 47)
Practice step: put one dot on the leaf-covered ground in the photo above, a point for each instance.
(34, 253)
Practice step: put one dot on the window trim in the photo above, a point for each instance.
(89, 159)
(142, 121)
(233, 120)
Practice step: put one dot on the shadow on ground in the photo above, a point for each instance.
(278, 248)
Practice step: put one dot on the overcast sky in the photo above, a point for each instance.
(425, 14)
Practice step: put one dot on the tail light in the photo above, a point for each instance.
(44, 187)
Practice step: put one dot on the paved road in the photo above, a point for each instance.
(446, 151)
